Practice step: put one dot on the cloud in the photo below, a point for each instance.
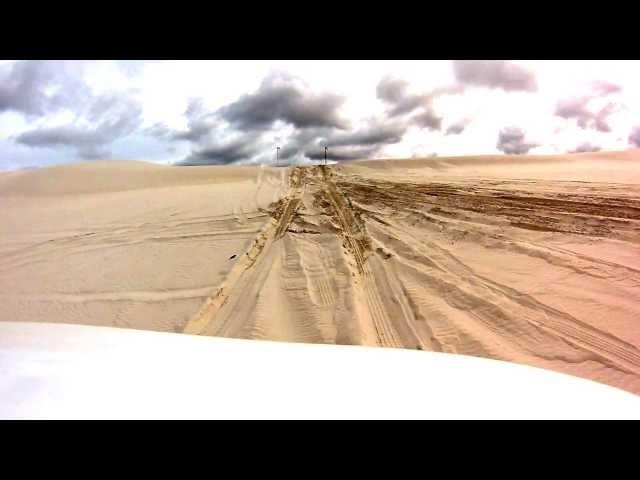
(427, 119)
(511, 140)
(393, 92)
(457, 128)
(253, 118)
(200, 124)
(601, 116)
(586, 147)
(158, 130)
(375, 133)
(282, 97)
(109, 117)
(365, 142)
(195, 108)
(602, 88)
(240, 131)
(574, 108)
(293, 146)
(198, 128)
(494, 74)
(634, 137)
(36, 87)
(579, 108)
(224, 152)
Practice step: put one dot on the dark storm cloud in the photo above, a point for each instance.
(37, 87)
(361, 143)
(314, 118)
(281, 97)
(494, 74)
(634, 137)
(586, 147)
(225, 152)
(376, 133)
(296, 143)
(512, 141)
(364, 142)
(65, 135)
(109, 118)
(197, 129)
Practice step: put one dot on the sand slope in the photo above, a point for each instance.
(528, 259)
(124, 243)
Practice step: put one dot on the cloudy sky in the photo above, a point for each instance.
(221, 112)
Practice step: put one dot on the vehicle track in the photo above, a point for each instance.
(348, 227)
(356, 239)
(272, 231)
(409, 291)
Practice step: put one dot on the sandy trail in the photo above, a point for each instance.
(534, 260)
(400, 253)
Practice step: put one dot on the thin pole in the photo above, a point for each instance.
(325, 155)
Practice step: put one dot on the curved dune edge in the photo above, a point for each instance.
(530, 260)
(72, 371)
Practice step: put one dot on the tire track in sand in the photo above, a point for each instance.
(356, 240)
(272, 231)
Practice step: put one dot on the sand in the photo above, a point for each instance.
(533, 260)
(128, 244)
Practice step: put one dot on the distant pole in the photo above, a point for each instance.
(325, 155)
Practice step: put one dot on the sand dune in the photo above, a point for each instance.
(125, 243)
(529, 259)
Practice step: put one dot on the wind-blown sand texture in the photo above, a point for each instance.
(534, 260)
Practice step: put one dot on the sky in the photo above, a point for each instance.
(238, 112)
